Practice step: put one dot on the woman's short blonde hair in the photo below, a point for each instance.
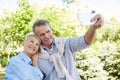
(32, 35)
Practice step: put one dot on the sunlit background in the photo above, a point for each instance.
(101, 61)
(108, 8)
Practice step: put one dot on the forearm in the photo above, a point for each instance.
(90, 35)
(35, 60)
(35, 63)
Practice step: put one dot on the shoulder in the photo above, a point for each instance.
(14, 59)
(61, 40)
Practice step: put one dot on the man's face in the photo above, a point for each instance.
(45, 34)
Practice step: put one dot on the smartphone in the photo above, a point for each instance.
(85, 18)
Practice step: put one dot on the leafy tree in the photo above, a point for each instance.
(17, 27)
(59, 19)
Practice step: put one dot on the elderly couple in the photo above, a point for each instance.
(46, 57)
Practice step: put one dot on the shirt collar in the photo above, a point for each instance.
(53, 44)
(25, 58)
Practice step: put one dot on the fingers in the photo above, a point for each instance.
(96, 17)
(99, 21)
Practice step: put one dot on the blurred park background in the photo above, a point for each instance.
(101, 61)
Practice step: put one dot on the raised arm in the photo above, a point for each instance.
(91, 33)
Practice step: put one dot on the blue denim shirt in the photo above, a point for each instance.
(72, 45)
(20, 68)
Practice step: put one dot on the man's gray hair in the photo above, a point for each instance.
(39, 23)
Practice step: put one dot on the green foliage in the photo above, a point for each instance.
(109, 32)
(110, 57)
(90, 66)
(16, 25)
(99, 62)
(20, 22)
(4, 61)
(2, 76)
(112, 65)
(118, 46)
(59, 19)
(14, 28)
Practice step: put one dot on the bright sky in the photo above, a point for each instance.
(9, 5)
(109, 8)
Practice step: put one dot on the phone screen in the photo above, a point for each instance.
(85, 18)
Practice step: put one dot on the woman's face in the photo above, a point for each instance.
(31, 46)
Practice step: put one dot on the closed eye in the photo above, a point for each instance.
(37, 44)
(48, 31)
(32, 41)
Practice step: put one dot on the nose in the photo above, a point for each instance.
(35, 46)
(46, 35)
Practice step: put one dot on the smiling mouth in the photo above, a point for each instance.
(30, 47)
(46, 40)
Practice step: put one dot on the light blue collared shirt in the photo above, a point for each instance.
(20, 68)
(72, 45)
